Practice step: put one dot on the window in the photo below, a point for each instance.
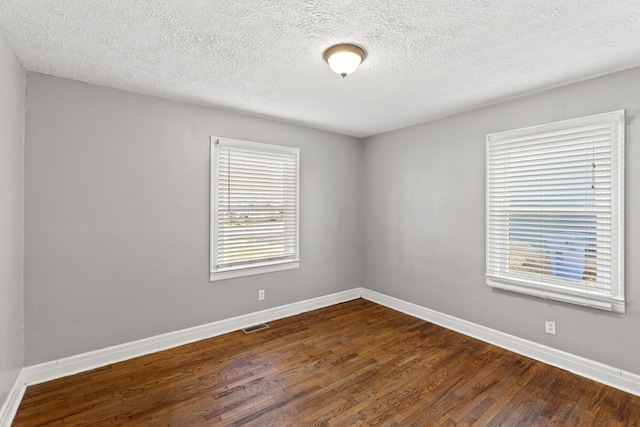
(555, 211)
(254, 208)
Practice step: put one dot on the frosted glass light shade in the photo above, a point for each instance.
(344, 59)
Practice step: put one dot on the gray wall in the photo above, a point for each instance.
(424, 222)
(11, 219)
(117, 217)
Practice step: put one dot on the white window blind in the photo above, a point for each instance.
(254, 220)
(555, 211)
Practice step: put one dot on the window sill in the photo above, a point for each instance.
(231, 273)
(601, 302)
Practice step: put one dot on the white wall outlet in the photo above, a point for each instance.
(261, 295)
(550, 327)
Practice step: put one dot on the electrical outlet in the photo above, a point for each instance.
(550, 327)
(261, 295)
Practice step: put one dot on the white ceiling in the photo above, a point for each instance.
(426, 59)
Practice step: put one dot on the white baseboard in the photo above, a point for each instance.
(94, 359)
(10, 406)
(623, 380)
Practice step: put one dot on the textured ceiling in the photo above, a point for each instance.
(426, 59)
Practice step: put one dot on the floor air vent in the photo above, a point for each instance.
(255, 328)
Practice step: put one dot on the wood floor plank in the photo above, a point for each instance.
(356, 363)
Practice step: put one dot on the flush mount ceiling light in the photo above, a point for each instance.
(344, 58)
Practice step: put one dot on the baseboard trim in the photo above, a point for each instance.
(617, 378)
(94, 359)
(11, 404)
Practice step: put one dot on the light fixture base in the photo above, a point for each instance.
(344, 59)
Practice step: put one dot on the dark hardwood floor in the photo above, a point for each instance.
(356, 363)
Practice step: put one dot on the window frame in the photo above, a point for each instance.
(222, 273)
(551, 288)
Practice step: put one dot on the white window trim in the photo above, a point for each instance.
(215, 273)
(597, 299)
(233, 272)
